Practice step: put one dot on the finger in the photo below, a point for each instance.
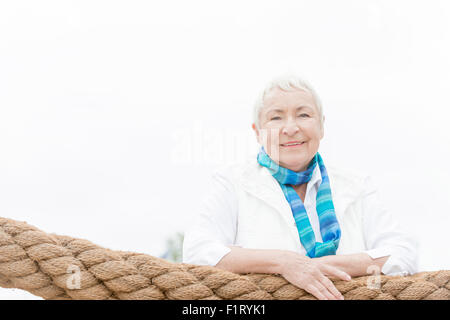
(339, 274)
(315, 292)
(324, 291)
(331, 287)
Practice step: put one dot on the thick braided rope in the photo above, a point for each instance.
(43, 264)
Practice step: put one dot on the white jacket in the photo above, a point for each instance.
(246, 207)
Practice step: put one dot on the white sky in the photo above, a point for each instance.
(99, 98)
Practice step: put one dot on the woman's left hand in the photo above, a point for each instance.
(327, 268)
(355, 264)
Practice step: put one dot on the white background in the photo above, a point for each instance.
(99, 100)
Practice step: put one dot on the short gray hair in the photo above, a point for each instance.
(286, 83)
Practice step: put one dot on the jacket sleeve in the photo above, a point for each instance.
(214, 227)
(384, 235)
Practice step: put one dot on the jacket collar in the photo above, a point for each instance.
(257, 180)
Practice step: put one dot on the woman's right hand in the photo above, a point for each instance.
(309, 275)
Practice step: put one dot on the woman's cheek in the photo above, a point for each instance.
(270, 137)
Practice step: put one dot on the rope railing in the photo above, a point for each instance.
(61, 267)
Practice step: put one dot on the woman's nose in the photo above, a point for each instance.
(291, 128)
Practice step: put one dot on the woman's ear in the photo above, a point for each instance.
(322, 129)
(256, 132)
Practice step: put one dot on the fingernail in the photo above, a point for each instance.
(348, 277)
(342, 297)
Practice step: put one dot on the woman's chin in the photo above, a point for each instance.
(293, 156)
(293, 163)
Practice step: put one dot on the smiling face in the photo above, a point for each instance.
(290, 116)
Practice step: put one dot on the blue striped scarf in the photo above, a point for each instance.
(329, 226)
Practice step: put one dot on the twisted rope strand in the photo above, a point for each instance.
(44, 264)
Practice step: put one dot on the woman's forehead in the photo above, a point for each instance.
(279, 105)
(280, 99)
(298, 108)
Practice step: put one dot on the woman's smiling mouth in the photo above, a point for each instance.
(292, 145)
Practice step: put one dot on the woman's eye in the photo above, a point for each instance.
(301, 115)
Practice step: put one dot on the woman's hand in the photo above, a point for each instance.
(355, 264)
(311, 275)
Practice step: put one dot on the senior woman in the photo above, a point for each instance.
(286, 212)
